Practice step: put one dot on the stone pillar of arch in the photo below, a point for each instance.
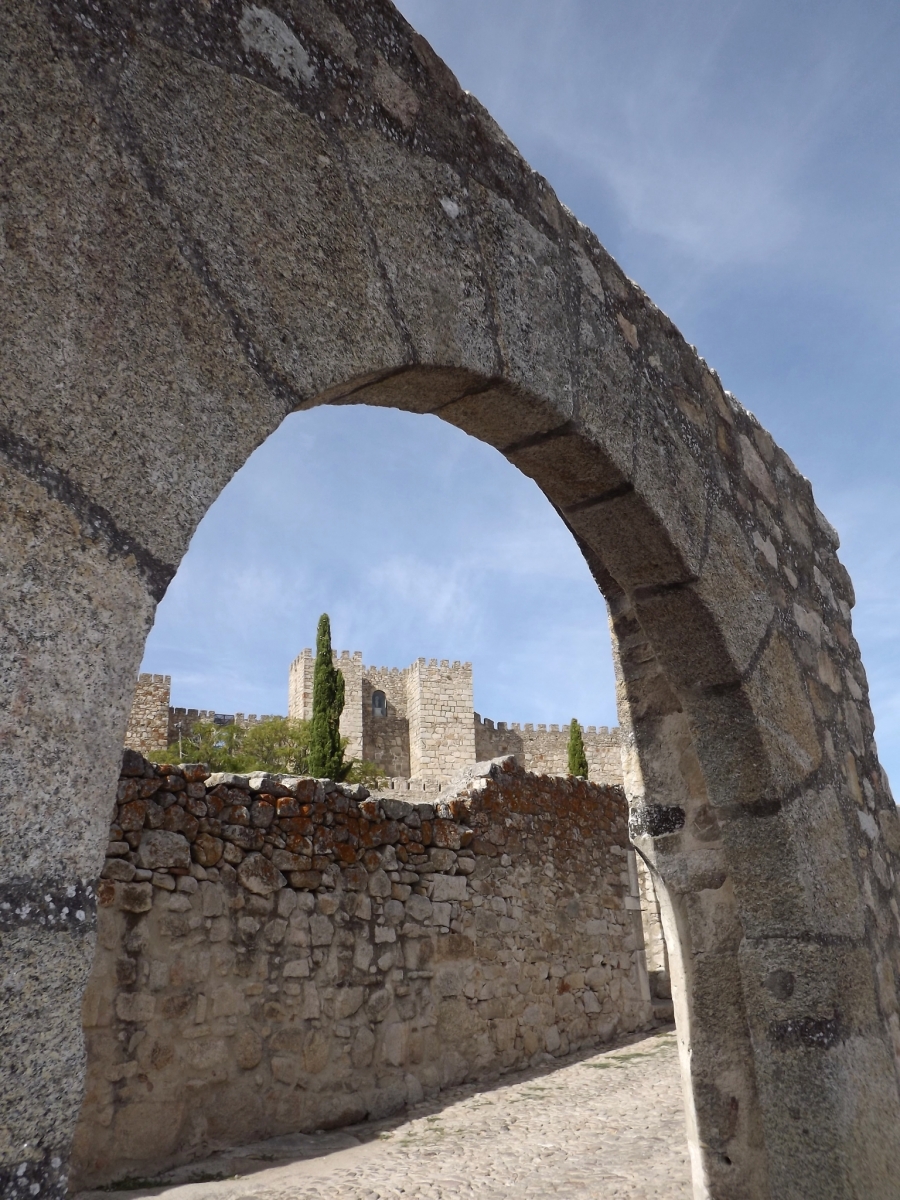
(216, 214)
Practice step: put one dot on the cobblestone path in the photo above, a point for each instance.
(608, 1127)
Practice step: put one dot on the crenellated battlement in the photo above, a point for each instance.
(417, 723)
(602, 731)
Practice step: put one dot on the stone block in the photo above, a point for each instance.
(395, 1043)
(363, 1048)
(248, 1050)
(445, 834)
(135, 1007)
(134, 897)
(306, 879)
(284, 860)
(347, 1001)
(321, 930)
(131, 816)
(418, 908)
(448, 887)
(227, 779)
(379, 883)
(285, 1070)
(118, 869)
(160, 848)
(258, 875)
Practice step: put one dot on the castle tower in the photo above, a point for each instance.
(300, 686)
(148, 724)
(441, 713)
(300, 694)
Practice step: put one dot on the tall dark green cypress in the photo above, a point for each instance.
(578, 763)
(326, 755)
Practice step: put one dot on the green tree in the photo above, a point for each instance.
(219, 746)
(278, 744)
(326, 750)
(578, 763)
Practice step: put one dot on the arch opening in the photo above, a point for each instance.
(612, 962)
(400, 252)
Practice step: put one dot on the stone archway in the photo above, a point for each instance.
(216, 214)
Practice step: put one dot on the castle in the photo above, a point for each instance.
(417, 723)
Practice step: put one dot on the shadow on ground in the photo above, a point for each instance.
(239, 1162)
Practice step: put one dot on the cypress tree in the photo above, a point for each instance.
(578, 763)
(326, 754)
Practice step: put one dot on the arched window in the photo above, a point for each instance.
(379, 704)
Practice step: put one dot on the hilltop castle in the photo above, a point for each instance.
(417, 723)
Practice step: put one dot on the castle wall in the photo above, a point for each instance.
(182, 720)
(544, 749)
(386, 739)
(430, 732)
(148, 721)
(657, 957)
(441, 715)
(276, 954)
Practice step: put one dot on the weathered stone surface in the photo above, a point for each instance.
(207, 850)
(448, 887)
(259, 875)
(159, 848)
(263, 950)
(135, 897)
(405, 255)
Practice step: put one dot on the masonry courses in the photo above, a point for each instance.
(418, 723)
(170, 294)
(280, 954)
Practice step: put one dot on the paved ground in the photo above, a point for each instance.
(607, 1127)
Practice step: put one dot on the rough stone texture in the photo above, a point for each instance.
(605, 1127)
(352, 955)
(148, 722)
(441, 730)
(214, 215)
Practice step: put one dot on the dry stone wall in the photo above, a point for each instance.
(545, 749)
(281, 954)
(407, 256)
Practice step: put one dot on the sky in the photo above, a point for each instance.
(739, 159)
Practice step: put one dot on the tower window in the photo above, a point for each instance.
(379, 704)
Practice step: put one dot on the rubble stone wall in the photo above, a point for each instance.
(279, 954)
(545, 749)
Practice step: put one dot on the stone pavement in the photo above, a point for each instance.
(605, 1127)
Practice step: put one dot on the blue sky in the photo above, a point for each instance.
(740, 161)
